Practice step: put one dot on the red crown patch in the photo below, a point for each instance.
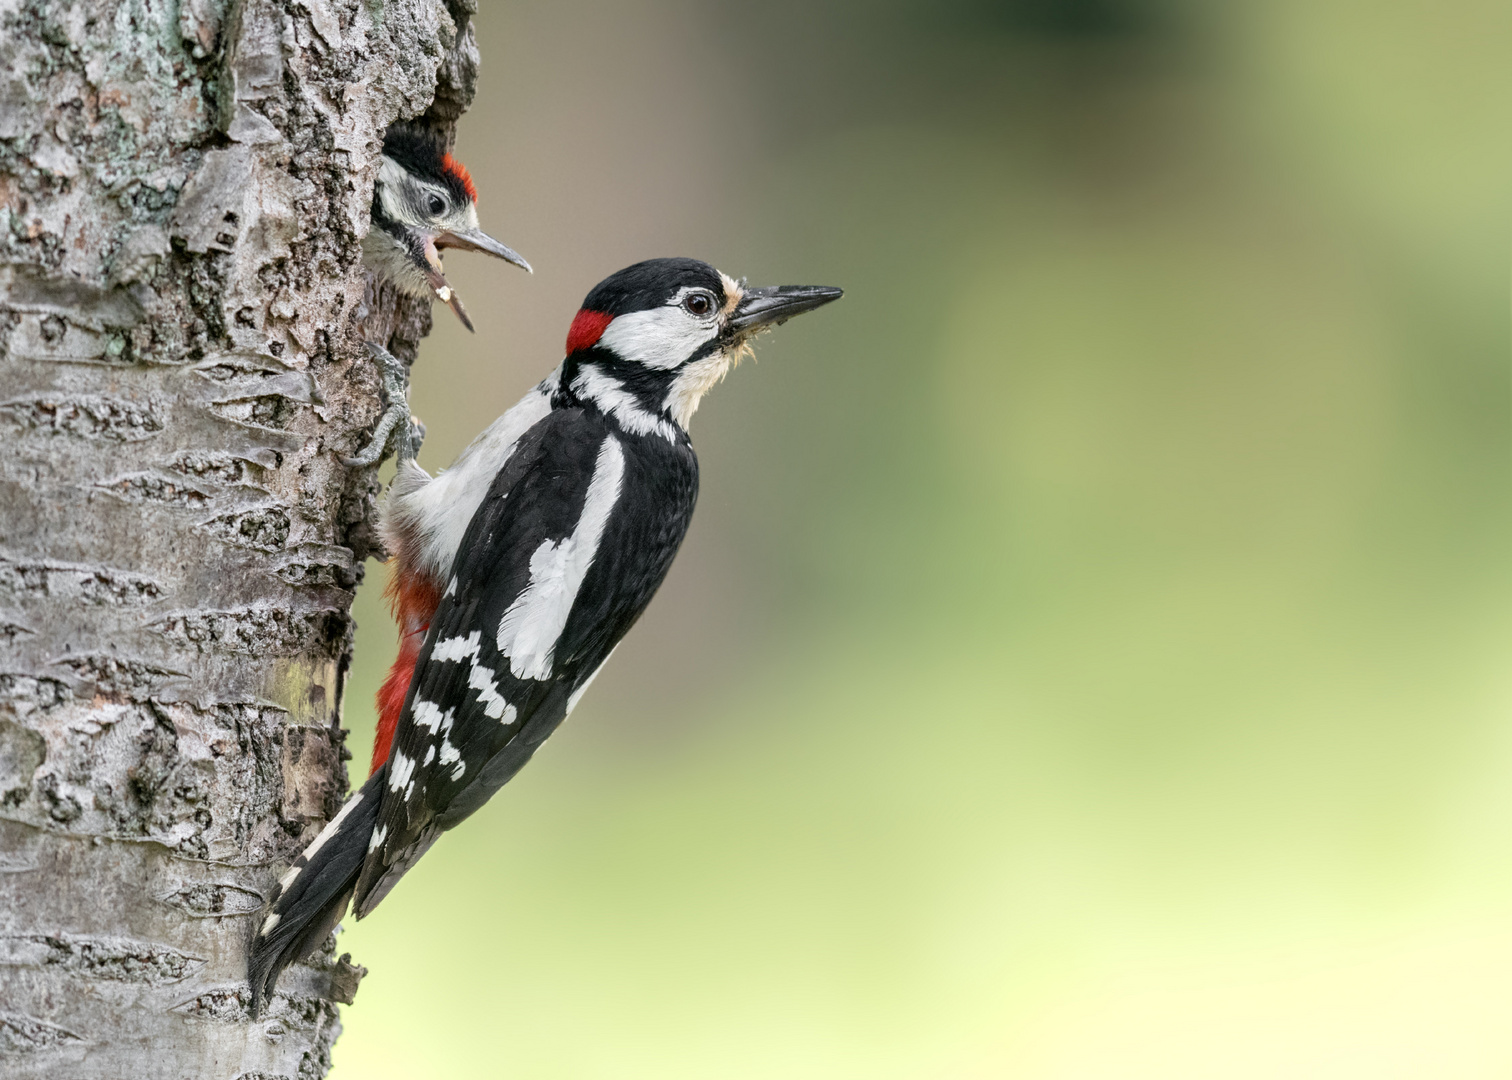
(458, 172)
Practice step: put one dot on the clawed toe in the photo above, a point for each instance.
(395, 427)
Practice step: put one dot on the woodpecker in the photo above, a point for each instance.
(519, 569)
(424, 201)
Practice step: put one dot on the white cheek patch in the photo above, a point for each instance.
(662, 337)
(529, 630)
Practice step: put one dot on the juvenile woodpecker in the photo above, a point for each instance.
(424, 201)
(517, 572)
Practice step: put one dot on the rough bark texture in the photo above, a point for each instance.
(183, 189)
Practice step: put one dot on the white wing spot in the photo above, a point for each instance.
(451, 588)
(529, 630)
(430, 755)
(376, 840)
(399, 774)
(289, 875)
(456, 649)
(268, 924)
(428, 714)
(449, 754)
(481, 679)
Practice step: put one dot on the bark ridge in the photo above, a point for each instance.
(184, 185)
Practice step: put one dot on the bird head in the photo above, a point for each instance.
(652, 339)
(423, 202)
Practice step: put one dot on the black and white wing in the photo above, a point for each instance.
(562, 556)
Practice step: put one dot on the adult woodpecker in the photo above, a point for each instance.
(517, 572)
(423, 202)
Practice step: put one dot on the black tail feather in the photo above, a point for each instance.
(312, 897)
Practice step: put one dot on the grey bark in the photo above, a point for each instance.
(183, 189)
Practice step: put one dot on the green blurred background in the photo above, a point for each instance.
(1090, 657)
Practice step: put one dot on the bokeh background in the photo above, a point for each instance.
(1091, 655)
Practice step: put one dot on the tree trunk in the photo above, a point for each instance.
(183, 189)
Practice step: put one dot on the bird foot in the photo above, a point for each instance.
(396, 429)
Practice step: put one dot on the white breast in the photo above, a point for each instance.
(426, 518)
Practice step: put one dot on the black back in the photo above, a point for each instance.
(538, 497)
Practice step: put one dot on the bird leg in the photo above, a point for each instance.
(396, 426)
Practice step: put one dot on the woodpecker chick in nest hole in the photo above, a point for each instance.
(424, 201)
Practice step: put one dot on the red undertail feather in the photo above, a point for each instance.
(458, 171)
(413, 599)
(587, 328)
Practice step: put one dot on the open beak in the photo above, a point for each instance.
(462, 240)
(440, 286)
(478, 240)
(761, 309)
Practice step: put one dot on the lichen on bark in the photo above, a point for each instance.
(183, 191)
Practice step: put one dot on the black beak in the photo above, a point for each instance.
(478, 240)
(760, 309)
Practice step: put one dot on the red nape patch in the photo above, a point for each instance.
(458, 171)
(587, 328)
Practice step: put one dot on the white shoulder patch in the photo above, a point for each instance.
(529, 630)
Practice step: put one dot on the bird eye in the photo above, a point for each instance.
(436, 204)
(698, 303)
